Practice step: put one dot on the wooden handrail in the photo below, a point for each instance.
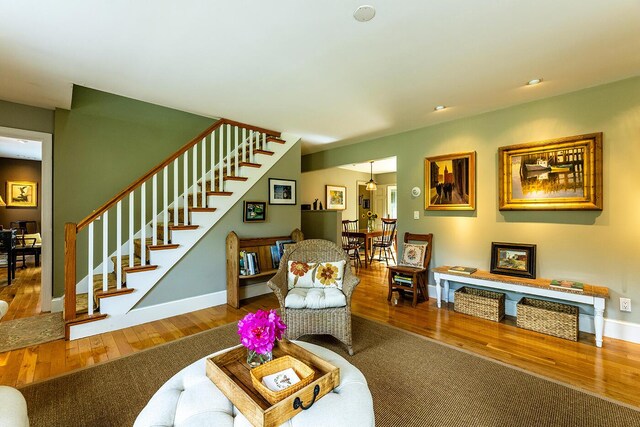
(121, 195)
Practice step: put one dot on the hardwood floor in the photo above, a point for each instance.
(613, 370)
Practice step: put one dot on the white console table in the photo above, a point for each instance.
(592, 295)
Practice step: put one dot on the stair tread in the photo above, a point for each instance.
(274, 139)
(250, 165)
(219, 193)
(235, 178)
(267, 152)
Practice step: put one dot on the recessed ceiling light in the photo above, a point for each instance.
(534, 82)
(439, 107)
(364, 13)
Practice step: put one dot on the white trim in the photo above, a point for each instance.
(46, 208)
(57, 305)
(161, 311)
(618, 329)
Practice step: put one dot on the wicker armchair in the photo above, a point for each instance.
(330, 321)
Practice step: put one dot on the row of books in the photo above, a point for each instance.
(249, 263)
(403, 280)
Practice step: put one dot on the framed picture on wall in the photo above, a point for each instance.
(450, 182)
(282, 191)
(22, 194)
(558, 174)
(336, 197)
(255, 211)
(513, 259)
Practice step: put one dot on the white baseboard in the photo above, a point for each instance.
(617, 329)
(57, 305)
(138, 316)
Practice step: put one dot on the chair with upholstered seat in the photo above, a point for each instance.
(310, 301)
(413, 267)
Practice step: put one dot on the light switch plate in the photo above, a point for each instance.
(416, 214)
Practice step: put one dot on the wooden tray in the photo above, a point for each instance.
(231, 374)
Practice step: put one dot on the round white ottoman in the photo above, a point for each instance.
(13, 408)
(190, 398)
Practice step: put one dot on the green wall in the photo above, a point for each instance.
(103, 144)
(25, 117)
(203, 270)
(591, 246)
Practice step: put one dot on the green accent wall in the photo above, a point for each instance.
(203, 269)
(103, 144)
(25, 117)
(599, 247)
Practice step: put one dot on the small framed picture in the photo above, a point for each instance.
(255, 211)
(22, 194)
(282, 191)
(513, 259)
(336, 197)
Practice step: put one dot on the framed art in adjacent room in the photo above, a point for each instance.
(557, 174)
(450, 182)
(282, 191)
(336, 197)
(255, 211)
(513, 259)
(22, 194)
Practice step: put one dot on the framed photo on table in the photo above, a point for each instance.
(557, 174)
(336, 197)
(22, 194)
(450, 182)
(282, 191)
(513, 259)
(255, 211)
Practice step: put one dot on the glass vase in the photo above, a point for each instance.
(255, 359)
(371, 224)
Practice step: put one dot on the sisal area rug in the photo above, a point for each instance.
(414, 382)
(30, 331)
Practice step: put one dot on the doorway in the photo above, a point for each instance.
(27, 191)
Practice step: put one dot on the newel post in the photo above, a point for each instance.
(70, 271)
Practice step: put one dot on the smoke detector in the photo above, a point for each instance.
(364, 13)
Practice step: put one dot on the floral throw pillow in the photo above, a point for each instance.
(413, 255)
(315, 275)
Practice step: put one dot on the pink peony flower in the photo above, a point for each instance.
(258, 331)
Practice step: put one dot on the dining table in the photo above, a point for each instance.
(368, 236)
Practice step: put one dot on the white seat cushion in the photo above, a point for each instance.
(315, 298)
(13, 408)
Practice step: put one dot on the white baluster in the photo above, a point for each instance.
(154, 209)
(165, 202)
(244, 144)
(143, 224)
(203, 180)
(176, 192)
(264, 141)
(119, 245)
(185, 185)
(90, 270)
(228, 150)
(194, 176)
(105, 251)
(212, 170)
(251, 147)
(131, 228)
(236, 134)
(221, 159)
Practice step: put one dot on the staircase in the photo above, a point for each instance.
(137, 237)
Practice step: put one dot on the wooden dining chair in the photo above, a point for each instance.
(351, 243)
(384, 245)
(409, 278)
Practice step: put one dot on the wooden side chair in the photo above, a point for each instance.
(351, 243)
(385, 243)
(412, 273)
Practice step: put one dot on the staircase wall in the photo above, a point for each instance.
(203, 270)
(101, 145)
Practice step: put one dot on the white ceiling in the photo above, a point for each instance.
(24, 149)
(308, 67)
(379, 166)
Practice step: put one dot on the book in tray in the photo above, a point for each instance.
(569, 285)
(462, 270)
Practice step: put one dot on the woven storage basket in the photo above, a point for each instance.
(480, 303)
(304, 372)
(547, 317)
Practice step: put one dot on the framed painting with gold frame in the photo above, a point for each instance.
(450, 182)
(22, 194)
(558, 174)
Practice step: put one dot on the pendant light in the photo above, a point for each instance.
(371, 185)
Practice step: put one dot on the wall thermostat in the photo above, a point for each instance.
(415, 191)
